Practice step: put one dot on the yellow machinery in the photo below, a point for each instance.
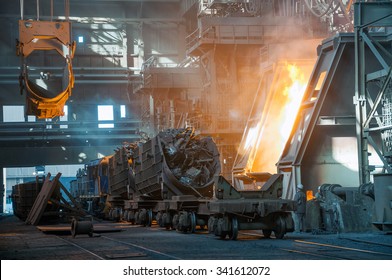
(45, 36)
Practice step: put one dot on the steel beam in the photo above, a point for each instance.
(372, 13)
(378, 99)
(367, 15)
(374, 50)
(89, 20)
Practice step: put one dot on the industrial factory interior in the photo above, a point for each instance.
(196, 130)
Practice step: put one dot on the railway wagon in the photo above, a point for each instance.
(174, 179)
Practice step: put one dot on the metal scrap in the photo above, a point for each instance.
(188, 156)
(50, 202)
(42, 200)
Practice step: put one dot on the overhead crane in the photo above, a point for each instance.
(38, 35)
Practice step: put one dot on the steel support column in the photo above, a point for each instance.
(367, 16)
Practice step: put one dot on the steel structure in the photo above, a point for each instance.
(373, 100)
(323, 135)
(373, 93)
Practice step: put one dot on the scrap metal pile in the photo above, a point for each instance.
(175, 162)
(193, 160)
(44, 200)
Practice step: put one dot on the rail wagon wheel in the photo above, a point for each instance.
(233, 234)
(149, 218)
(184, 222)
(219, 229)
(167, 220)
(192, 218)
(212, 223)
(267, 233)
(159, 219)
(175, 222)
(280, 227)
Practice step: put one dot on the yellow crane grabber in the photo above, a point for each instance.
(47, 36)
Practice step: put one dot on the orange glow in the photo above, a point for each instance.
(293, 93)
(309, 195)
(271, 133)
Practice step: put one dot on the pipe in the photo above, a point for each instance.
(21, 9)
(36, 76)
(37, 9)
(51, 10)
(77, 124)
(108, 82)
(101, 82)
(90, 20)
(74, 68)
(63, 138)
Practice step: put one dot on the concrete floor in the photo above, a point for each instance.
(19, 241)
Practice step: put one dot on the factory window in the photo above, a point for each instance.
(105, 113)
(123, 112)
(31, 118)
(48, 126)
(13, 114)
(80, 39)
(64, 118)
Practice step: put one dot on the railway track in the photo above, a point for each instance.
(156, 243)
(366, 241)
(340, 252)
(128, 249)
(334, 251)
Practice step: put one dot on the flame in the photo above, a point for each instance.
(293, 93)
(309, 195)
(272, 132)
